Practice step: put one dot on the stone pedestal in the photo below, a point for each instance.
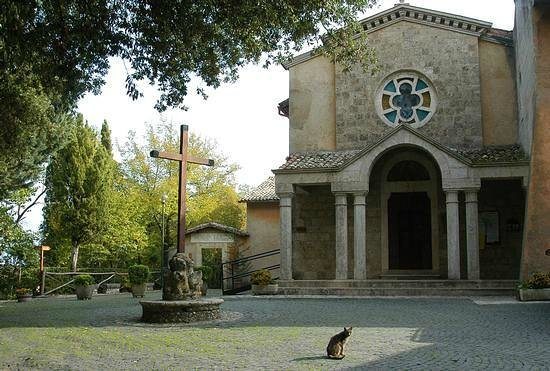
(180, 311)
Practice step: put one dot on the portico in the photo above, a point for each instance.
(405, 205)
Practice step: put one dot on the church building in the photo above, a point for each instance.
(418, 171)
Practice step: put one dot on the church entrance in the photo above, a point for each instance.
(409, 219)
(409, 231)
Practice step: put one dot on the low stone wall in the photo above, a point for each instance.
(180, 311)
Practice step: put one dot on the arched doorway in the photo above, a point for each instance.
(409, 186)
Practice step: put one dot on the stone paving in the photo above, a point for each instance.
(279, 333)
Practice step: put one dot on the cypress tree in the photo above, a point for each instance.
(77, 184)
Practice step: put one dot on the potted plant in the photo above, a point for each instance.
(23, 294)
(536, 288)
(206, 274)
(263, 283)
(138, 275)
(85, 285)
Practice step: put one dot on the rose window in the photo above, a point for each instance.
(406, 98)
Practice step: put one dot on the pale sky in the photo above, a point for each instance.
(242, 117)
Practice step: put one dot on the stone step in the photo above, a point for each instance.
(401, 291)
(401, 284)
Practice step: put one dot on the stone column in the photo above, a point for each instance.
(472, 234)
(359, 234)
(285, 208)
(341, 205)
(453, 242)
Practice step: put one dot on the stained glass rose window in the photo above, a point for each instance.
(406, 98)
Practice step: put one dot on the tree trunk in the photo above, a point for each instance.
(74, 257)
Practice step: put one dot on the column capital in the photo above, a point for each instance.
(340, 198)
(471, 195)
(451, 196)
(360, 198)
(285, 194)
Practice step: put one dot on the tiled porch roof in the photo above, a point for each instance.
(331, 160)
(264, 192)
(318, 160)
(218, 226)
(495, 154)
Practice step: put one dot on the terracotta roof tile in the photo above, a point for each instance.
(318, 160)
(495, 154)
(264, 192)
(218, 226)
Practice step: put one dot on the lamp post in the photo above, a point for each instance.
(163, 257)
(42, 272)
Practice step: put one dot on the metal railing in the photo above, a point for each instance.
(234, 280)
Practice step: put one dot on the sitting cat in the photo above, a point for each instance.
(336, 345)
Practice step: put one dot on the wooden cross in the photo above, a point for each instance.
(183, 158)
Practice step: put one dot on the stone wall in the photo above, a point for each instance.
(262, 224)
(311, 125)
(525, 75)
(449, 59)
(498, 94)
(501, 260)
(536, 251)
(313, 245)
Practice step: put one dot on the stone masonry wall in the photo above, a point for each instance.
(449, 59)
(313, 245)
(502, 260)
(525, 71)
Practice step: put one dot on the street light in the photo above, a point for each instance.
(164, 257)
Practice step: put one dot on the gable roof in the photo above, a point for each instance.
(219, 227)
(265, 192)
(433, 18)
(332, 161)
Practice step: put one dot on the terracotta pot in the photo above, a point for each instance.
(265, 289)
(533, 294)
(138, 290)
(24, 297)
(84, 292)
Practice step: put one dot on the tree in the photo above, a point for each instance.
(66, 44)
(77, 182)
(29, 131)
(211, 192)
(52, 52)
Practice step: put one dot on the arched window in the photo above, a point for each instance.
(408, 171)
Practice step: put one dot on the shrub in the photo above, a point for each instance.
(261, 277)
(539, 281)
(22, 291)
(125, 284)
(84, 280)
(206, 272)
(138, 274)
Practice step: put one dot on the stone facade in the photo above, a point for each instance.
(409, 198)
(449, 59)
(533, 53)
(313, 255)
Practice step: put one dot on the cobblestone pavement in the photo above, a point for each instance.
(279, 333)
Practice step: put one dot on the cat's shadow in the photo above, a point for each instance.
(311, 358)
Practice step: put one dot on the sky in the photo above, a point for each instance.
(241, 117)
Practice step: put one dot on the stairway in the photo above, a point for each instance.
(399, 287)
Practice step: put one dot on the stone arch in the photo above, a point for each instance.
(431, 187)
(454, 173)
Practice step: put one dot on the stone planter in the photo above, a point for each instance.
(533, 294)
(84, 292)
(24, 298)
(138, 291)
(265, 289)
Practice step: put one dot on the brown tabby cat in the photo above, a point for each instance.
(336, 345)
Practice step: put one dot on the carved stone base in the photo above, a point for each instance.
(180, 311)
